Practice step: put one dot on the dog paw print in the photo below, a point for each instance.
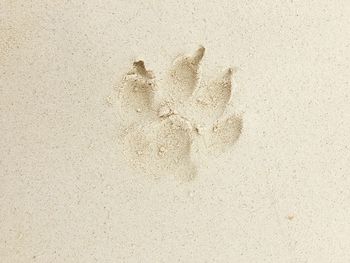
(165, 121)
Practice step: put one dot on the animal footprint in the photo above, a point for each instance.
(163, 123)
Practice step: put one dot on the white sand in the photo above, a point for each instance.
(165, 126)
(280, 194)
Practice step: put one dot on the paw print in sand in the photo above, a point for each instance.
(165, 123)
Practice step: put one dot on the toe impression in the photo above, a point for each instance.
(225, 133)
(136, 92)
(211, 100)
(183, 77)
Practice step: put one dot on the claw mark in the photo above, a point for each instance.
(139, 68)
(198, 55)
(159, 138)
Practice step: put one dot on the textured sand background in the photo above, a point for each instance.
(282, 194)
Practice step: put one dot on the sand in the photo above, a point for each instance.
(174, 131)
(165, 125)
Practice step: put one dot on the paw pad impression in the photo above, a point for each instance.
(164, 122)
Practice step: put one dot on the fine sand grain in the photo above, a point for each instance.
(174, 131)
(164, 121)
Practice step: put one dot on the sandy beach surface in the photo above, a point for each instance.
(75, 188)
